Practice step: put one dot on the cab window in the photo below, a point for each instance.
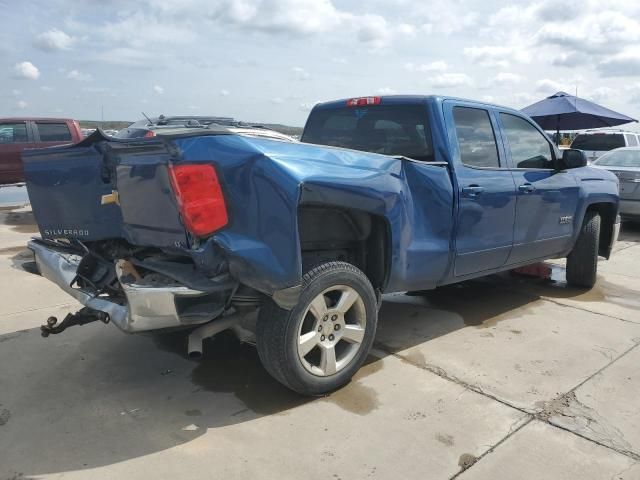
(13, 133)
(398, 130)
(54, 132)
(529, 148)
(476, 138)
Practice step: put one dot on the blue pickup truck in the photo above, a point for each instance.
(292, 244)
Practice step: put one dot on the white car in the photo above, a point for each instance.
(595, 143)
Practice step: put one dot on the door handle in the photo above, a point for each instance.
(526, 188)
(472, 190)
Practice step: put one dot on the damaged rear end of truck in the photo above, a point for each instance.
(128, 229)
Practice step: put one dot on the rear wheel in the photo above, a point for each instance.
(582, 262)
(319, 345)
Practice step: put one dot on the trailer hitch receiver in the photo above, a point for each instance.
(81, 317)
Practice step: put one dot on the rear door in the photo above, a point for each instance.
(547, 198)
(486, 189)
(49, 133)
(14, 138)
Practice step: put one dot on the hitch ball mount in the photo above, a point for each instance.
(81, 317)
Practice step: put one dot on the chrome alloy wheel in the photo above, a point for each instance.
(331, 331)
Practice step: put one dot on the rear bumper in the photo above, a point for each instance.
(146, 307)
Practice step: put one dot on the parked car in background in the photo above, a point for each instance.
(291, 245)
(18, 134)
(152, 126)
(625, 164)
(595, 143)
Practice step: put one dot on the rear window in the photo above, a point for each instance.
(632, 140)
(399, 130)
(600, 142)
(13, 133)
(54, 132)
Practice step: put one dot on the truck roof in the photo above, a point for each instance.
(409, 100)
(35, 119)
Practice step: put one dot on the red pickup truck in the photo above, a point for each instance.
(18, 134)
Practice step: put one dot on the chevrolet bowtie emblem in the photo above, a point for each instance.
(112, 197)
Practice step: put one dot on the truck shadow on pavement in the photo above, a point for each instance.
(93, 397)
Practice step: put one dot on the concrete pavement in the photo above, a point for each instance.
(506, 377)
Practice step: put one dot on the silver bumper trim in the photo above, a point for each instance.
(148, 308)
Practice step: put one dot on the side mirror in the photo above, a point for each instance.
(572, 158)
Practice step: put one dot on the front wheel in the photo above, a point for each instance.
(582, 262)
(320, 344)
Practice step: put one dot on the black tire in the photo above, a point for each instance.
(278, 331)
(582, 262)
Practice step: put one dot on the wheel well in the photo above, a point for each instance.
(607, 212)
(349, 235)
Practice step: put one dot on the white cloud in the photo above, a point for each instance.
(523, 98)
(490, 56)
(624, 64)
(158, 89)
(26, 70)
(79, 76)
(277, 100)
(224, 93)
(549, 86)
(601, 94)
(46, 88)
(300, 73)
(22, 104)
(442, 16)
(374, 31)
(450, 80)
(283, 16)
(488, 98)
(140, 29)
(570, 60)
(505, 78)
(386, 91)
(406, 29)
(53, 40)
(437, 66)
(306, 106)
(16, 92)
(128, 57)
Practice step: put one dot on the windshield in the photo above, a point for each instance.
(401, 130)
(600, 142)
(620, 158)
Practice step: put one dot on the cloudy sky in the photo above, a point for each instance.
(271, 60)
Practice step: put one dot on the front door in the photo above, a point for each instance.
(486, 191)
(547, 198)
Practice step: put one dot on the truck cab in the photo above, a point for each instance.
(516, 201)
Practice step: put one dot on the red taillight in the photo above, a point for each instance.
(200, 198)
(150, 134)
(363, 101)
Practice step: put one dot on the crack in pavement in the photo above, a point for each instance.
(544, 414)
(582, 309)
(512, 431)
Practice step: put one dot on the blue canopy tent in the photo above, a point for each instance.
(562, 111)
